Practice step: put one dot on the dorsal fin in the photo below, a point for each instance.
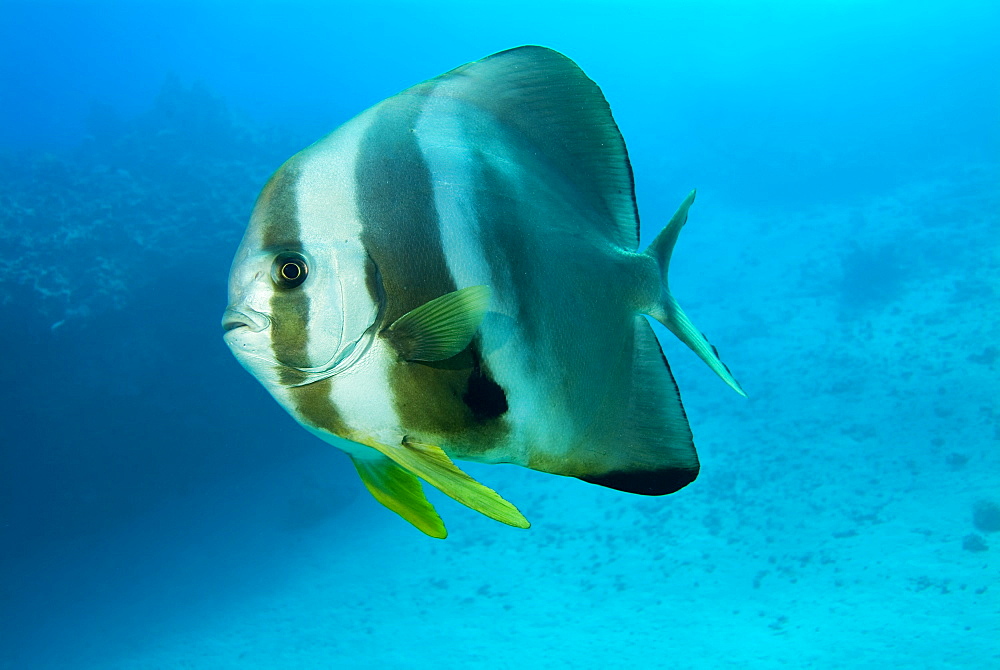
(548, 99)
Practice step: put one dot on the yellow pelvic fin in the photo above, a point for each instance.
(440, 328)
(431, 464)
(400, 490)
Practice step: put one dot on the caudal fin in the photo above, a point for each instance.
(669, 312)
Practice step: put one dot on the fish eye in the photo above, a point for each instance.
(289, 270)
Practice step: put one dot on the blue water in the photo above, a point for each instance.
(159, 510)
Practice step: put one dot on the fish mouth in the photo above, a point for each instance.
(234, 319)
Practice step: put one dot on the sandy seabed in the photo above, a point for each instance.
(831, 527)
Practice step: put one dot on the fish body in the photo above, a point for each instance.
(455, 274)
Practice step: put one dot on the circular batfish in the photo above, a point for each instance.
(455, 274)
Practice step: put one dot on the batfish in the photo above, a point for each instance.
(454, 274)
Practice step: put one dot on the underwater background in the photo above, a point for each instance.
(159, 510)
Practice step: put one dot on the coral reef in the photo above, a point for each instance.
(80, 231)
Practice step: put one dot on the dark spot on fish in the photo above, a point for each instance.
(483, 396)
(648, 482)
(451, 400)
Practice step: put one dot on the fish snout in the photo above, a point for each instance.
(234, 318)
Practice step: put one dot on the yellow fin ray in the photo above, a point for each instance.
(431, 464)
(400, 490)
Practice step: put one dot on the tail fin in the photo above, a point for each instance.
(668, 312)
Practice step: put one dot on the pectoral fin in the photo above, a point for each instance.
(440, 328)
(400, 490)
(431, 464)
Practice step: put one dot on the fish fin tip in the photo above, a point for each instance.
(400, 490)
(645, 482)
(640, 440)
(668, 311)
(657, 454)
(546, 98)
(432, 464)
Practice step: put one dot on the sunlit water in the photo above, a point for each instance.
(159, 510)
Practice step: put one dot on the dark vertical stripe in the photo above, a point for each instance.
(289, 307)
(401, 231)
(278, 211)
(280, 231)
(314, 407)
(395, 199)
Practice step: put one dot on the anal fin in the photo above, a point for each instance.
(432, 465)
(643, 443)
(400, 490)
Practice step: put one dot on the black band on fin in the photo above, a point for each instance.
(646, 482)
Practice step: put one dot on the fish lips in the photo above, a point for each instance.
(234, 320)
